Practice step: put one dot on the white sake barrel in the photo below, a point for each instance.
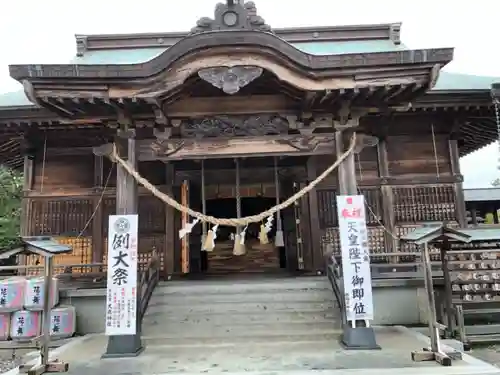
(4, 326)
(62, 322)
(34, 292)
(12, 294)
(25, 325)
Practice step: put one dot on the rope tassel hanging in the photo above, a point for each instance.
(239, 242)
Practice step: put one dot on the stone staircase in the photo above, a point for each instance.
(243, 325)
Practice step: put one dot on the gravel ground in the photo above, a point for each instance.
(490, 354)
(10, 359)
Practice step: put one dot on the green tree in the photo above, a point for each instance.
(495, 182)
(11, 187)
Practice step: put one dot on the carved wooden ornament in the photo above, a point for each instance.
(230, 80)
(234, 126)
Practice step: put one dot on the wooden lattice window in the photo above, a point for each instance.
(327, 208)
(60, 217)
(424, 203)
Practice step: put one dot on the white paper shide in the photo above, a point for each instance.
(355, 257)
(121, 302)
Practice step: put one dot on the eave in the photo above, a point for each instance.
(313, 64)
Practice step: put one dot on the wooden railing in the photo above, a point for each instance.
(148, 279)
(334, 273)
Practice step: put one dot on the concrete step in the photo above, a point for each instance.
(156, 308)
(247, 297)
(262, 357)
(208, 329)
(264, 317)
(238, 286)
(248, 341)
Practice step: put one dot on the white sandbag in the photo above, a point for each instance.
(62, 322)
(34, 292)
(25, 325)
(12, 294)
(4, 326)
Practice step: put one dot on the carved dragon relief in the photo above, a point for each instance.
(236, 15)
(230, 80)
(234, 126)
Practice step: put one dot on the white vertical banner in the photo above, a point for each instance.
(121, 297)
(355, 257)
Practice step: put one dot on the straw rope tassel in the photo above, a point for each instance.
(239, 245)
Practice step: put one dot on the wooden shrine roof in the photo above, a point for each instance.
(381, 67)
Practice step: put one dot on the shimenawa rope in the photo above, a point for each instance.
(233, 222)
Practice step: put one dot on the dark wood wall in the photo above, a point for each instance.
(406, 180)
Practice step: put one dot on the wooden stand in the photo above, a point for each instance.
(434, 353)
(44, 340)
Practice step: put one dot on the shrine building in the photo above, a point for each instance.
(232, 118)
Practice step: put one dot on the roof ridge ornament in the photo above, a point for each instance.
(232, 15)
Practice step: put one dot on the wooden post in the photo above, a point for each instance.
(126, 204)
(169, 224)
(98, 209)
(387, 195)
(25, 225)
(356, 335)
(318, 261)
(457, 186)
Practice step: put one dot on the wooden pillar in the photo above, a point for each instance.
(126, 204)
(315, 233)
(356, 335)
(25, 222)
(98, 209)
(387, 196)
(461, 212)
(473, 214)
(169, 254)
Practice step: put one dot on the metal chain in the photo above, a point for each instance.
(238, 196)
(497, 117)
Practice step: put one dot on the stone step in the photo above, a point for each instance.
(242, 286)
(247, 341)
(156, 308)
(247, 297)
(208, 329)
(264, 317)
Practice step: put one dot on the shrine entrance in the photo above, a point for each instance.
(235, 188)
(258, 257)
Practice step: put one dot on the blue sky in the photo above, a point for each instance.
(33, 31)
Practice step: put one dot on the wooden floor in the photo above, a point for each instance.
(258, 258)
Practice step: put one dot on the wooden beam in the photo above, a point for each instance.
(231, 105)
(457, 186)
(217, 148)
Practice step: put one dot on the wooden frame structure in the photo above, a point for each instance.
(246, 90)
(47, 248)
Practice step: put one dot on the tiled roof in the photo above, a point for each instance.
(446, 82)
